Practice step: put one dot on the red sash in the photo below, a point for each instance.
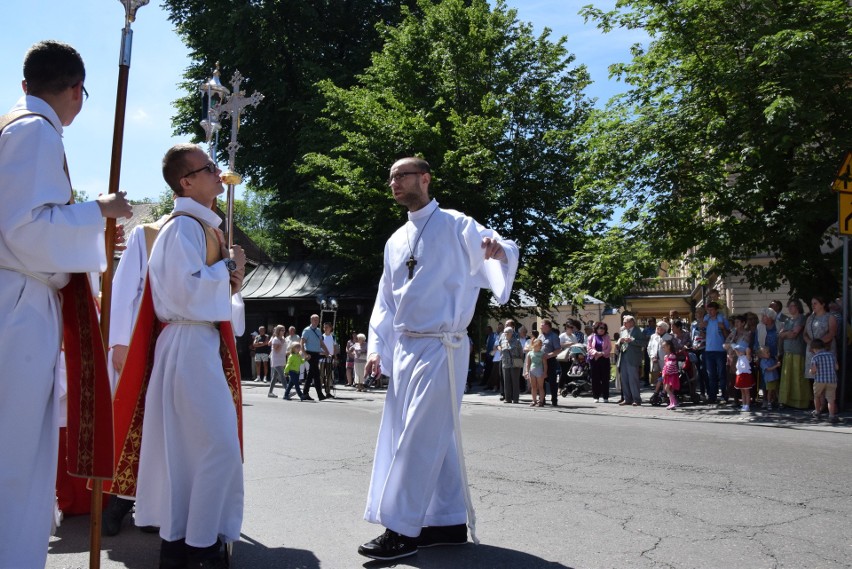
(90, 426)
(129, 402)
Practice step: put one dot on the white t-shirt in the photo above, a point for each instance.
(328, 340)
(278, 354)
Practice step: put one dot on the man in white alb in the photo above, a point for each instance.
(190, 469)
(434, 267)
(43, 238)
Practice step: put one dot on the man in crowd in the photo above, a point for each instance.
(328, 360)
(434, 268)
(631, 343)
(43, 238)
(716, 328)
(551, 346)
(190, 468)
(312, 349)
(261, 354)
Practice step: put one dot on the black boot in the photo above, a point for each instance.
(114, 514)
(173, 554)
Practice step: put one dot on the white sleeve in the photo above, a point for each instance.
(493, 274)
(382, 337)
(127, 286)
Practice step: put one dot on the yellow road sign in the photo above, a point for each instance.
(845, 217)
(843, 180)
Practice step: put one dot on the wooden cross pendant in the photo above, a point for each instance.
(411, 262)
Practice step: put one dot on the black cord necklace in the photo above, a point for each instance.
(411, 260)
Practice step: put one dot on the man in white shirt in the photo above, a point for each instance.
(43, 238)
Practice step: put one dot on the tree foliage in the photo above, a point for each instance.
(724, 145)
(283, 47)
(494, 109)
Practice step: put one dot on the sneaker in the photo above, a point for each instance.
(442, 535)
(390, 545)
(272, 395)
(833, 419)
(597, 400)
(745, 408)
(606, 400)
(816, 415)
(670, 407)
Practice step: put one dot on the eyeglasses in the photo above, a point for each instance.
(399, 176)
(210, 167)
(85, 93)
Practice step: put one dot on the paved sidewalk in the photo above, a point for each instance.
(782, 418)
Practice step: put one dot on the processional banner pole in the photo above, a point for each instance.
(234, 105)
(130, 8)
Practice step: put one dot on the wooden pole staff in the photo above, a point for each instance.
(130, 7)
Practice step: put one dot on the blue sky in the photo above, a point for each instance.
(159, 58)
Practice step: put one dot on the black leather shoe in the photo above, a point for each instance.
(442, 535)
(212, 557)
(173, 554)
(114, 515)
(390, 545)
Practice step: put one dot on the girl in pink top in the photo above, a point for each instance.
(671, 377)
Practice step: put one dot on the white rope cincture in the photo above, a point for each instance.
(451, 341)
(190, 323)
(31, 275)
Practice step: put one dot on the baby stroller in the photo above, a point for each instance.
(576, 381)
(688, 376)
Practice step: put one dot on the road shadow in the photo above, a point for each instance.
(131, 548)
(469, 557)
(135, 549)
(250, 553)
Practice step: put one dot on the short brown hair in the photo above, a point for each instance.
(51, 67)
(417, 162)
(175, 165)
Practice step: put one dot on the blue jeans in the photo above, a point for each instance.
(293, 382)
(717, 375)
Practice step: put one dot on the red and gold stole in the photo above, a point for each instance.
(129, 402)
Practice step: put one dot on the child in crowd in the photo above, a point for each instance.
(770, 374)
(671, 377)
(535, 370)
(744, 381)
(579, 366)
(824, 370)
(294, 363)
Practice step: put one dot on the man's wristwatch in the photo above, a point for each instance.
(230, 264)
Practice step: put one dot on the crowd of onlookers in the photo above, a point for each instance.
(315, 357)
(777, 357)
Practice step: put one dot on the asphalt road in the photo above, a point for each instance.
(582, 486)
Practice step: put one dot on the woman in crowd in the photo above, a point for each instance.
(795, 390)
(599, 349)
(820, 324)
(277, 358)
(350, 359)
(698, 339)
(656, 354)
(360, 354)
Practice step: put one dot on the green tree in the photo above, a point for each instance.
(494, 109)
(724, 145)
(284, 48)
